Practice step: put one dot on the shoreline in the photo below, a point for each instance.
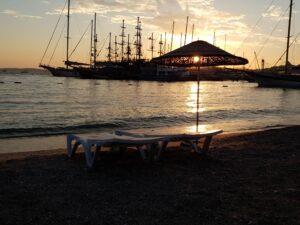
(247, 178)
(50, 142)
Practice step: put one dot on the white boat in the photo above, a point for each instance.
(162, 73)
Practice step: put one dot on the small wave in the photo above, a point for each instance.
(63, 126)
(46, 131)
(60, 128)
(130, 123)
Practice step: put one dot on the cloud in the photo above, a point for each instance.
(110, 6)
(274, 13)
(27, 16)
(159, 14)
(46, 2)
(169, 7)
(10, 12)
(17, 14)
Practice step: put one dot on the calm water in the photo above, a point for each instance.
(46, 105)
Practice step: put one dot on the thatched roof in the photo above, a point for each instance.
(208, 54)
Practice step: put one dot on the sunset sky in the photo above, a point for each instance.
(249, 26)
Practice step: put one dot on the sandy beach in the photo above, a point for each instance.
(247, 178)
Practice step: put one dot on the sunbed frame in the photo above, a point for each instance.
(191, 139)
(150, 145)
(92, 145)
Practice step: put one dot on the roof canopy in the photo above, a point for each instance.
(199, 53)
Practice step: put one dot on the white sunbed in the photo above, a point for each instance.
(193, 139)
(93, 144)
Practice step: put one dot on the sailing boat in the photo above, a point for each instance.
(64, 71)
(273, 79)
(107, 69)
(96, 70)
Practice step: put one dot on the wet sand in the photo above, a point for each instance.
(247, 178)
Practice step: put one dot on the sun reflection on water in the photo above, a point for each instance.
(191, 101)
(201, 128)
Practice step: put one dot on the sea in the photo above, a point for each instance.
(37, 110)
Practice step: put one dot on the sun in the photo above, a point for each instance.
(196, 59)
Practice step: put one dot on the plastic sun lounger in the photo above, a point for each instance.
(192, 138)
(92, 145)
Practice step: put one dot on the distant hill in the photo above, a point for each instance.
(24, 71)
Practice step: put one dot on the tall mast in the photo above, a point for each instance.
(122, 41)
(68, 33)
(160, 46)
(109, 48)
(116, 49)
(288, 38)
(91, 53)
(95, 40)
(180, 39)
(214, 41)
(128, 52)
(172, 35)
(165, 43)
(193, 32)
(152, 46)
(138, 42)
(186, 26)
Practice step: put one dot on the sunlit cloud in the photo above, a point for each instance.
(27, 16)
(109, 7)
(17, 14)
(274, 13)
(10, 12)
(163, 12)
(157, 16)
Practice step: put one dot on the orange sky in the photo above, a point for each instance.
(26, 28)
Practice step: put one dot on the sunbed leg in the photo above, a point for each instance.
(149, 154)
(206, 144)
(142, 152)
(164, 146)
(71, 150)
(194, 145)
(74, 149)
(204, 148)
(150, 151)
(89, 155)
(160, 148)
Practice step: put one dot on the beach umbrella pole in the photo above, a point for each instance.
(198, 95)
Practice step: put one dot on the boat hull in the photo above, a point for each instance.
(276, 80)
(91, 73)
(61, 72)
(114, 72)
